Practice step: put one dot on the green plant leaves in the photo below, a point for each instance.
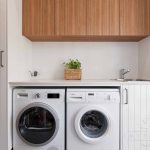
(73, 64)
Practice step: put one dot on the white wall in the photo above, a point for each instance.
(99, 60)
(144, 59)
(19, 48)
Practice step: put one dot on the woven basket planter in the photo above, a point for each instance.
(72, 74)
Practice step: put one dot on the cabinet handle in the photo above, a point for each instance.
(79, 97)
(126, 90)
(1, 62)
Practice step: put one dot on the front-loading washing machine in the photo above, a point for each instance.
(38, 119)
(93, 119)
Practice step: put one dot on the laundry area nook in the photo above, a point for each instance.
(74, 75)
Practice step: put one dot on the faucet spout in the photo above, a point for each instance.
(123, 72)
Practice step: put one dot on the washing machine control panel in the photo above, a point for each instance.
(37, 95)
(108, 97)
(46, 95)
(40, 94)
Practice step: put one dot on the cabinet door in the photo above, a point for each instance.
(134, 17)
(3, 104)
(59, 18)
(75, 17)
(3, 79)
(148, 12)
(3, 25)
(38, 18)
(103, 17)
(136, 117)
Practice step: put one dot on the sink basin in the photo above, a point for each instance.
(128, 80)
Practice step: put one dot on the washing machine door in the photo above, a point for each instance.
(92, 124)
(37, 124)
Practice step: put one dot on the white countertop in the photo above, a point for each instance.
(74, 83)
(66, 83)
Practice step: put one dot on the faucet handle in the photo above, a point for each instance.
(124, 71)
(34, 73)
(128, 70)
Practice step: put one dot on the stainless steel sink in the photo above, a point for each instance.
(130, 80)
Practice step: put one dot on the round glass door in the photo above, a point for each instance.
(37, 124)
(93, 124)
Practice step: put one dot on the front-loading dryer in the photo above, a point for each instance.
(38, 119)
(93, 119)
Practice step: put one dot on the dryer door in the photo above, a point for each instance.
(92, 124)
(37, 124)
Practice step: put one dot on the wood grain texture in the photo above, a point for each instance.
(59, 17)
(133, 18)
(75, 17)
(103, 17)
(38, 17)
(86, 38)
(86, 20)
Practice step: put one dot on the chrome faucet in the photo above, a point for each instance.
(34, 73)
(123, 72)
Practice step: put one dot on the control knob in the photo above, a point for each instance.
(37, 95)
(109, 97)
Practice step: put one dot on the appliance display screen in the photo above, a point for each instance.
(53, 95)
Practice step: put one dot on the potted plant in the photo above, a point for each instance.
(72, 70)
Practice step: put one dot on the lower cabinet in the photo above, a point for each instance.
(3, 103)
(136, 117)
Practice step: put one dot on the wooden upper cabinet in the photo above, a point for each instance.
(75, 17)
(59, 18)
(97, 20)
(134, 17)
(38, 19)
(103, 17)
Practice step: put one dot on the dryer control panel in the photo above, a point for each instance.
(93, 95)
(38, 94)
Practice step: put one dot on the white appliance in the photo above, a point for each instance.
(93, 119)
(38, 119)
